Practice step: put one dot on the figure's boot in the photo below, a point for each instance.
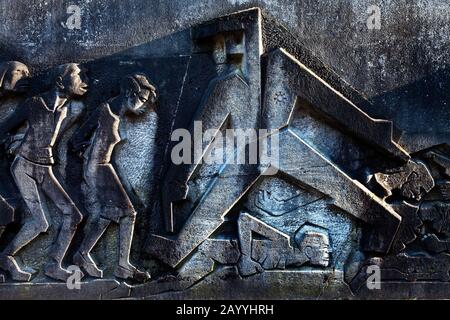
(54, 268)
(131, 272)
(55, 271)
(125, 269)
(29, 231)
(8, 263)
(86, 262)
(82, 258)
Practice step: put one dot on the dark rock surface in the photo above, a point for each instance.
(361, 183)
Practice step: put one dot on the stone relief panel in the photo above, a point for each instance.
(313, 212)
(89, 187)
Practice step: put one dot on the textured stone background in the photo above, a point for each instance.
(402, 68)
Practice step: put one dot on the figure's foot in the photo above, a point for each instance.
(55, 271)
(8, 263)
(131, 272)
(248, 267)
(85, 261)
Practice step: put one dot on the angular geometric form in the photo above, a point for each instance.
(413, 179)
(308, 167)
(6, 213)
(437, 214)
(288, 79)
(340, 193)
(409, 227)
(234, 43)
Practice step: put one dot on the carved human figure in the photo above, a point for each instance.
(105, 197)
(275, 250)
(315, 247)
(14, 78)
(32, 170)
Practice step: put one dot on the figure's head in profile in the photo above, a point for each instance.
(71, 80)
(138, 93)
(316, 247)
(14, 77)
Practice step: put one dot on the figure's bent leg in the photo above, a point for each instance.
(30, 230)
(125, 269)
(71, 219)
(2, 229)
(279, 241)
(126, 231)
(82, 258)
(246, 265)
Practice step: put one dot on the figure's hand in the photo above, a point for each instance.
(14, 143)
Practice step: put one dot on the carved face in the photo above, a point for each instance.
(137, 101)
(16, 78)
(316, 247)
(74, 83)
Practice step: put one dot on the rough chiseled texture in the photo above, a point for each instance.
(362, 180)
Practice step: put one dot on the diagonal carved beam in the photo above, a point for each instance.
(286, 79)
(307, 166)
(304, 165)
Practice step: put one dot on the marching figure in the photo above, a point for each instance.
(14, 80)
(32, 170)
(105, 197)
